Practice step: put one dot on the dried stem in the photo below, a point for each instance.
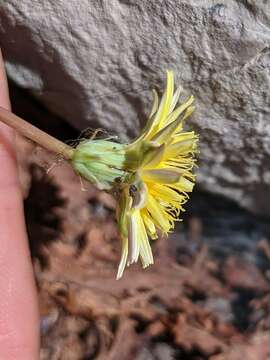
(38, 136)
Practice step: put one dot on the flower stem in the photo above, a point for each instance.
(33, 133)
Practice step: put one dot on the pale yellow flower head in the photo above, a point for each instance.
(153, 174)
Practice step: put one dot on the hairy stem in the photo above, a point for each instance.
(33, 133)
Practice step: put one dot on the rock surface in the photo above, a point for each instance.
(93, 63)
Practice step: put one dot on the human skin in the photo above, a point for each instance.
(19, 316)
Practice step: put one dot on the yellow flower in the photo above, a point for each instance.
(160, 163)
(152, 176)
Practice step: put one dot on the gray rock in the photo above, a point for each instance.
(93, 63)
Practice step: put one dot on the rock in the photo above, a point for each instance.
(93, 63)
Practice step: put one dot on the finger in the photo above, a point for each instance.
(18, 301)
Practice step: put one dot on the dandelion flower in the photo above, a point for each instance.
(152, 175)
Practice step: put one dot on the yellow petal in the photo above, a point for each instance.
(159, 215)
(166, 194)
(182, 136)
(164, 107)
(187, 113)
(176, 98)
(180, 147)
(165, 134)
(154, 156)
(163, 176)
(184, 185)
(150, 226)
(149, 123)
(177, 112)
(168, 97)
(145, 248)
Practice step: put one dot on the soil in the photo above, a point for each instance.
(206, 297)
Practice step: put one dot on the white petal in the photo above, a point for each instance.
(133, 244)
(123, 260)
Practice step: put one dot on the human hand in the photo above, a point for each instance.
(19, 319)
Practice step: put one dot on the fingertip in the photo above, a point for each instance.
(19, 317)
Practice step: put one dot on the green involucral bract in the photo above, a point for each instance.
(101, 162)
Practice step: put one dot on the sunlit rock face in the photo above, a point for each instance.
(93, 63)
